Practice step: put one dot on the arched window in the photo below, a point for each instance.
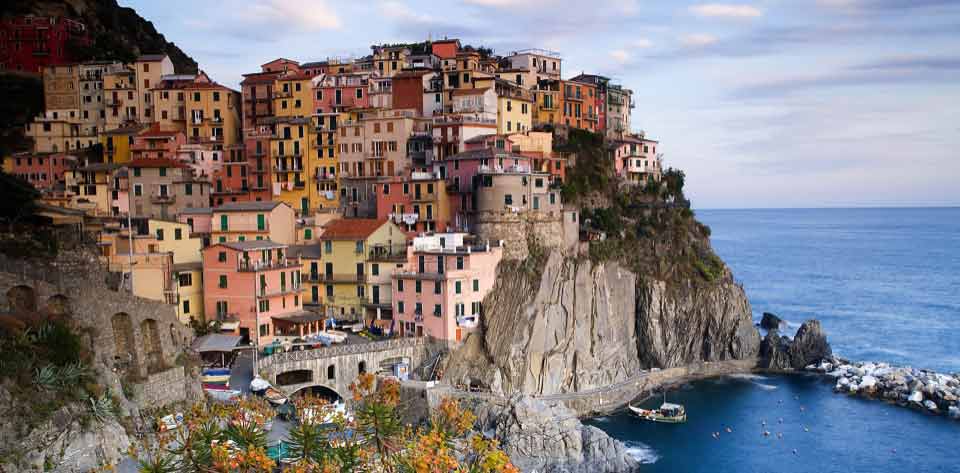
(331, 372)
(362, 367)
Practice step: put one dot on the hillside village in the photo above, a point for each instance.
(382, 189)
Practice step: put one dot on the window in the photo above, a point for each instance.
(138, 190)
(264, 305)
(222, 308)
(223, 223)
(163, 172)
(437, 287)
(329, 290)
(186, 307)
(136, 172)
(222, 257)
(459, 262)
(188, 188)
(307, 234)
(476, 285)
(185, 279)
(223, 281)
(359, 93)
(196, 96)
(508, 199)
(399, 285)
(437, 309)
(261, 222)
(331, 372)
(328, 246)
(159, 234)
(457, 287)
(375, 269)
(360, 291)
(418, 286)
(177, 234)
(400, 307)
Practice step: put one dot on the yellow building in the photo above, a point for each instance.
(149, 68)
(119, 96)
(325, 179)
(514, 108)
(117, 143)
(293, 150)
(187, 271)
(98, 189)
(346, 247)
(212, 114)
(390, 60)
(548, 108)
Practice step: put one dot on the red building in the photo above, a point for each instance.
(43, 170)
(28, 43)
(408, 90)
(445, 48)
(229, 181)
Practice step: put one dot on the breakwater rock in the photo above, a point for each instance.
(809, 345)
(937, 393)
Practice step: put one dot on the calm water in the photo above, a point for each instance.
(886, 285)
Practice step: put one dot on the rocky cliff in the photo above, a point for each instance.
(569, 324)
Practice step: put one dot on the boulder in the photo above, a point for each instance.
(868, 382)
(916, 397)
(930, 405)
(953, 412)
(809, 345)
(774, 352)
(770, 321)
(550, 439)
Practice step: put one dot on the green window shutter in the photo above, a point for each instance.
(223, 222)
(261, 222)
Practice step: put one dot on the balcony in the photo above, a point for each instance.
(264, 292)
(287, 168)
(163, 199)
(325, 177)
(342, 278)
(248, 266)
(196, 140)
(311, 277)
(388, 253)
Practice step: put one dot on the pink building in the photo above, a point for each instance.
(42, 170)
(460, 171)
(156, 143)
(635, 159)
(440, 292)
(253, 288)
(341, 92)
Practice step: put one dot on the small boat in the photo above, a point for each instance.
(215, 378)
(334, 336)
(275, 396)
(667, 413)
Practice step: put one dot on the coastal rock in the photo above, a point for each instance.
(953, 412)
(809, 345)
(774, 352)
(930, 405)
(545, 438)
(770, 321)
(573, 325)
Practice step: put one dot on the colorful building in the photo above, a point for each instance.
(579, 102)
(30, 43)
(418, 204)
(44, 171)
(635, 159)
(440, 291)
(99, 189)
(149, 68)
(157, 143)
(241, 221)
(346, 248)
(162, 188)
(249, 284)
(186, 278)
(389, 60)
(514, 108)
(536, 65)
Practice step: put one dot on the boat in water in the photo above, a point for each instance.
(668, 413)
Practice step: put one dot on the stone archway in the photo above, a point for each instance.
(125, 354)
(21, 299)
(59, 306)
(288, 378)
(319, 390)
(151, 345)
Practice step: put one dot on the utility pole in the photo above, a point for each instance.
(130, 239)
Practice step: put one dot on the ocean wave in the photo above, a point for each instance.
(641, 452)
(602, 420)
(754, 379)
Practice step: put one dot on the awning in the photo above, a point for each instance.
(216, 342)
(299, 317)
(229, 326)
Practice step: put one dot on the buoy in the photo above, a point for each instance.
(766, 433)
(794, 451)
(779, 435)
(729, 430)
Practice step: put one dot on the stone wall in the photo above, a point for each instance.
(519, 229)
(129, 335)
(167, 387)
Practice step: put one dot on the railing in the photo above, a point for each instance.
(342, 277)
(282, 358)
(270, 292)
(163, 199)
(250, 266)
(391, 253)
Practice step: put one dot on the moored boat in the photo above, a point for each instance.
(667, 413)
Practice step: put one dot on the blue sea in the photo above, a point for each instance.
(885, 283)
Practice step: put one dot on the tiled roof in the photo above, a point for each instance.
(247, 206)
(151, 57)
(252, 245)
(197, 210)
(485, 153)
(259, 77)
(480, 138)
(156, 163)
(351, 228)
(471, 91)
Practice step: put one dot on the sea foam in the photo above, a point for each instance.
(641, 452)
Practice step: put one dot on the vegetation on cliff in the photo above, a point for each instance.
(650, 229)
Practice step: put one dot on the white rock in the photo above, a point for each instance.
(859, 371)
(916, 397)
(853, 388)
(954, 412)
(930, 405)
(868, 382)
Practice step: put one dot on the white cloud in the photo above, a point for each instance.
(641, 43)
(620, 55)
(305, 15)
(720, 10)
(400, 11)
(698, 40)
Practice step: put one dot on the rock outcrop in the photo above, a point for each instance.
(808, 346)
(572, 325)
(550, 439)
(770, 321)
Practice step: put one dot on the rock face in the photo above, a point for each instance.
(677, 325)
(770, 321)
(549, 439)
(574, 325)
(808, 346)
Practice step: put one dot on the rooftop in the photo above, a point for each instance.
(252, 245)
(351, 228)
(248, 206)
(156, 163)
(151, 57)
(197, 210)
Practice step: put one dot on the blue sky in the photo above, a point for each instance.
(763, 104)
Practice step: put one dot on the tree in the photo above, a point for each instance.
(17, 199)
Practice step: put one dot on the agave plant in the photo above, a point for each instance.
(46, 377)
(72, 373)
(101, 408)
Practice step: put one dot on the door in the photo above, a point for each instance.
(376, 294)
(244, 336)
(328, 270)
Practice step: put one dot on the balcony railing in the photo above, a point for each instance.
(163, 198)
(259, 265)
(342, 278)
(389, 253)
(279, 291)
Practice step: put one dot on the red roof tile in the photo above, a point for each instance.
(351, 228)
